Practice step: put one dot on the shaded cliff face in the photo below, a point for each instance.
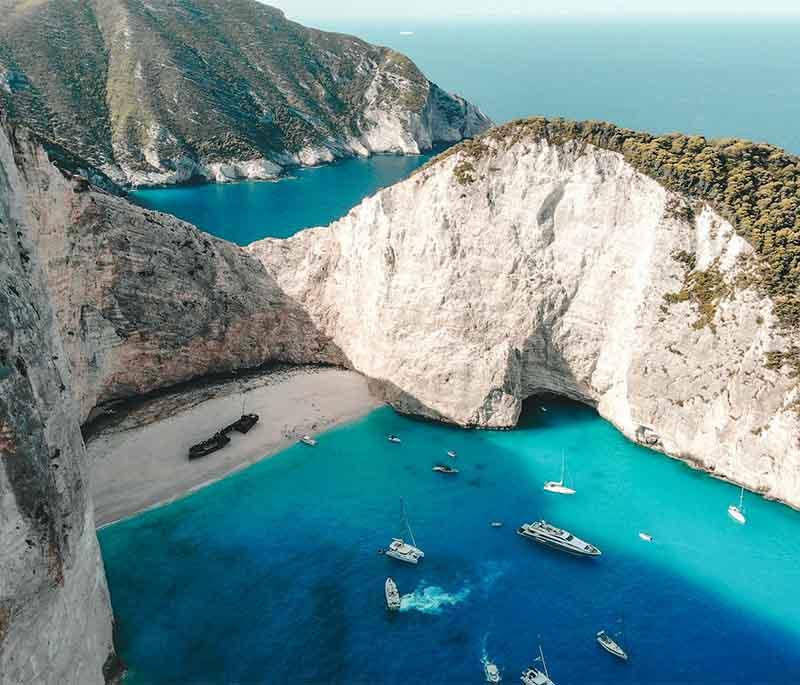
(537, 265)
(161, 93)
(144, 300)
(55, 617)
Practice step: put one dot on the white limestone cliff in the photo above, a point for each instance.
(544, 267)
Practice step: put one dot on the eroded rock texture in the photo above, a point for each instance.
(556, 266)
(55, 617)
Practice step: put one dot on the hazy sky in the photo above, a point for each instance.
(413, 10)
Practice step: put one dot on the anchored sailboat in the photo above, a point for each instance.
(557, 486)
(533, 676)
(737, 513)
(399, 549)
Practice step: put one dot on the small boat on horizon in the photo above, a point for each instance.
(557, 538)
(737, 513)
(533, 676)
(444, 468)
(393, 438)
(608, 643)
(557, 486)
(392, 595)
(308, 440)
(401, 550)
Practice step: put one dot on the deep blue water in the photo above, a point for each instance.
(249, 210)
(272, 576)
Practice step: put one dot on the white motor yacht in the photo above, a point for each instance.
(392, 595)
(308, 440)
(557, 538)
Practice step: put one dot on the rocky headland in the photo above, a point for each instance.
(179, 91)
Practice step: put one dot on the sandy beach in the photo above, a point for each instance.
(140, 460)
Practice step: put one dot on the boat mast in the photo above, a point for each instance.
(405, 520)
(741, 498)
(563, 465)
(544, 663)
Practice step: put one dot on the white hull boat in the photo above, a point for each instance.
(308, 440)
(491, 672)
(646, 537)
(452, 454)
(393, 438)
(557, 486)
(737, 513)
(400, 549)
(557, 538)
(443, 468)
(392, 595)
(533, 676)
(607, 643)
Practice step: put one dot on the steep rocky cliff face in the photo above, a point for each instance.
(144, 300)
(55, 617)
(180, 89)
(523, 263)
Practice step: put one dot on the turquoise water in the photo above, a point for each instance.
(249, 210)
(272, 575)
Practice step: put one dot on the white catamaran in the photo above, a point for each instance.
(533, 676)
(737, 513)
(557, 486)
(401, 550)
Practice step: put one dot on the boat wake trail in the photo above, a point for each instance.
(432, 599)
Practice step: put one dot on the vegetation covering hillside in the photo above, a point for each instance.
(755, 186)
(136, 83)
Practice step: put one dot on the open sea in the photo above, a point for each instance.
(272, 575)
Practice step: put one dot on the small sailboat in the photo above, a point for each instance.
(308, 440)
(491, 672)
(444, 468)
(737, 513)
(646, 537)
(533, 676)
(393, 438)
(401, 550)
(452, 454)
(557, 486)
(608, 643)
(392, 595)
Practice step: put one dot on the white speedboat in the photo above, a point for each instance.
(308, 440)
(608, 643)
(393, 438)
(496, 524)
(557, 538)
(401, 550)
(737, 513)
(392, 595)
(491, 672)
(646, 537)
(452, 454)
(557, 486)
(533, 676)
(444, 468)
